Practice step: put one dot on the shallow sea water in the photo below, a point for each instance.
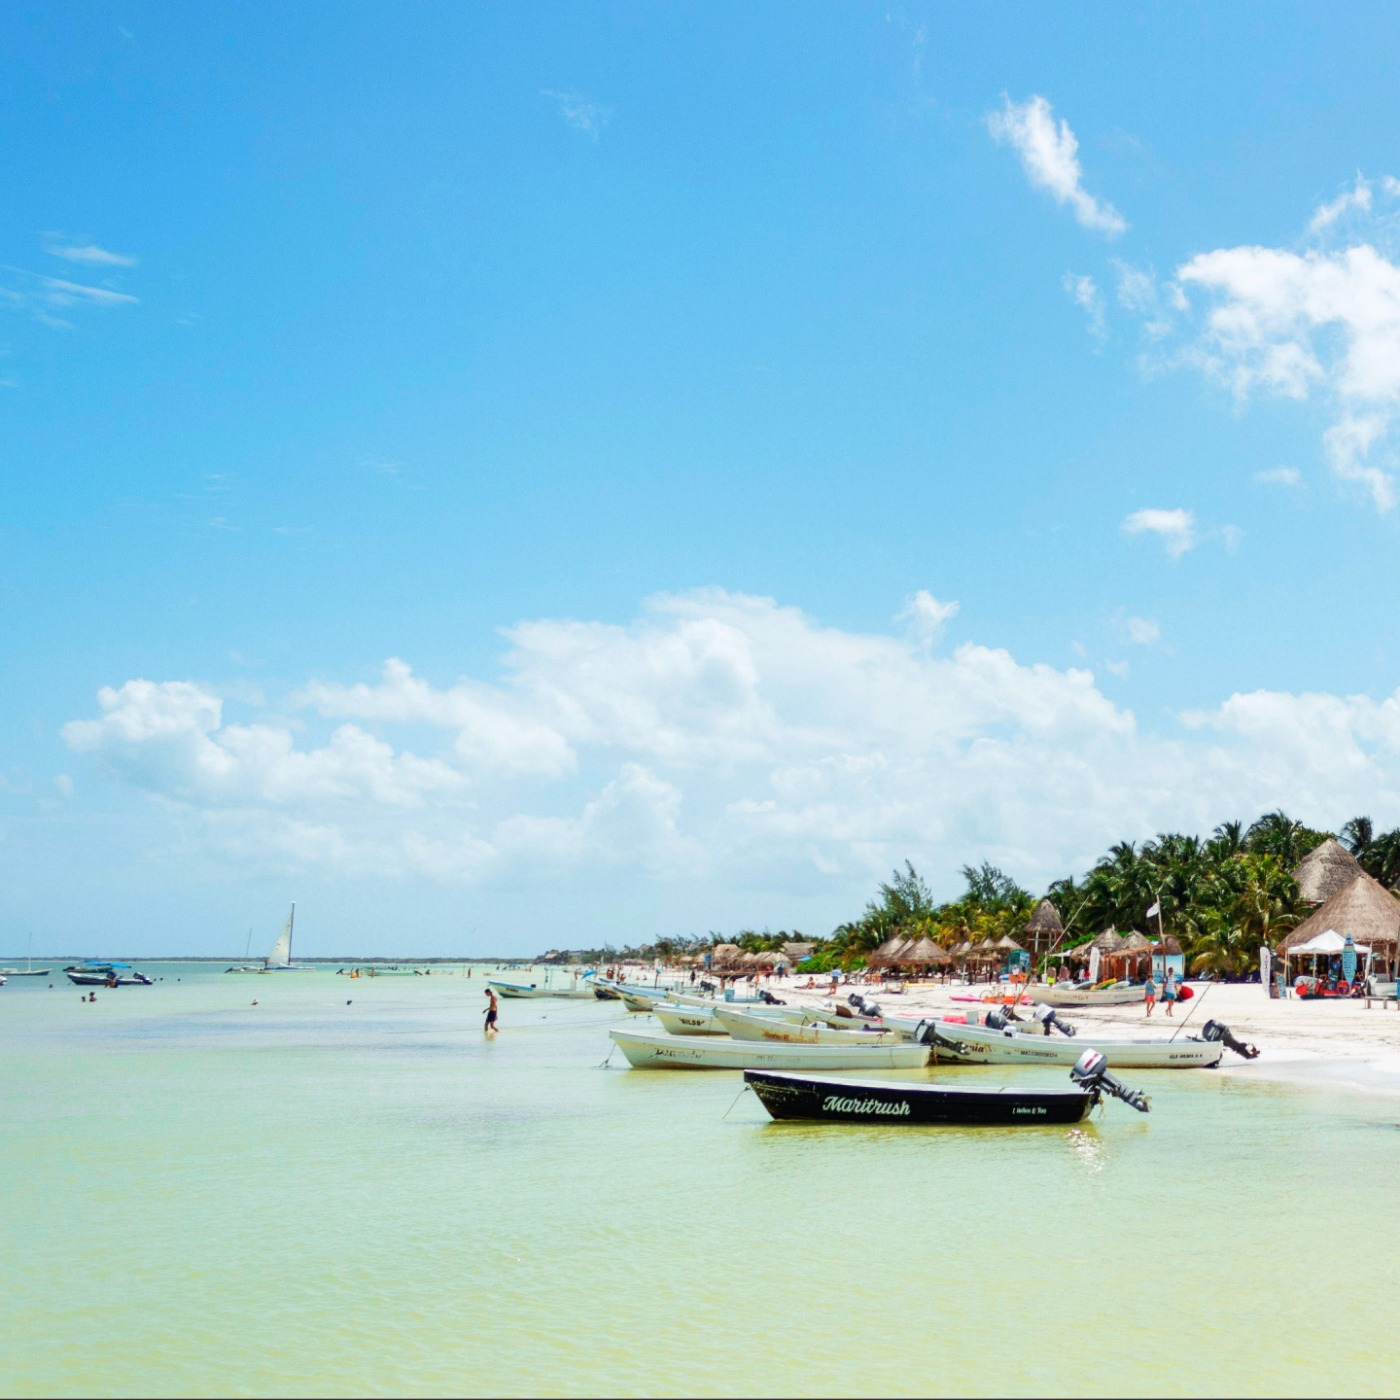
(306, 1197)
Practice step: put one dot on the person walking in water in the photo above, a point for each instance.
(491, 1026)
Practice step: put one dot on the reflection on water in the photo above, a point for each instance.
(310, 1197)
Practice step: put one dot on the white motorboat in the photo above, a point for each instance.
(1063, 994)
(682, 998)
(652, 1051)
(533, 991)
(836, 1018)
(701, 1020)
(982, 1045)
(743, 1026)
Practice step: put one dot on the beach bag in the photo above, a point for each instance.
(1184, 993)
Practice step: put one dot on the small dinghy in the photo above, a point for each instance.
(647, 1050)
(883, 1101)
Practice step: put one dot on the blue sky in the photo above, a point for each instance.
(761, 444)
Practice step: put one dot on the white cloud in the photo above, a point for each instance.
(42, 296)
(1175, 528)
(89, 254)
(720, 742)
(1050, 157)
(1143, 631)
(1279, 476)
(1117, 668)
(1355, 200)
(925, 614)
(1287, 324)
(580, 112)
(1084, 292)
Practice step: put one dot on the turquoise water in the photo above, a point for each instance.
(304, 1197)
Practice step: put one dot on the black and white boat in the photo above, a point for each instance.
(828, 1100)
(106, 974)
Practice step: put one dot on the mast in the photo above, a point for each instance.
(291, 919)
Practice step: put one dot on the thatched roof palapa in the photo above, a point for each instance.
(884, 953)
(926, 951)
(1046, 919)
(1364, 908)
(1008, 944)
(1168, 947)
(1107, 942)
(1325, 871)
(1136, 942)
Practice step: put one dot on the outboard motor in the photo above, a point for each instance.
(1049, 1021)
(927, 1033)
(998, 1021)
(768, 996)
(1218, 1030)
(1091, 1072)
(864, 1006)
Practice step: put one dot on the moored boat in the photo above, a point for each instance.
(788, 1095)
(648, 1050)
(743, 1025)
(983, 1045)
(701, 1020)
(106, 974)
(1062, 994)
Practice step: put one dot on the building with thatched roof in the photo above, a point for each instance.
(925, 952)
(1363, 908)
(1107, 942)
(1043, 929)
(884, 954)
(724, 955)
(797, 949)
(1326, 870)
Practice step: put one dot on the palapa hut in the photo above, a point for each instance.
(1365, 909)
(926, 952)
(797, 949)
(883, 956)
(1326, 870)
(1043, 929)
(724, 955)
(1131, 959)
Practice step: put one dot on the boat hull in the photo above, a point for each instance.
(743, 1026)
(700, 1020)
(1089, 996)
(651, 1051)
(26, 971)
(799, 1096)
(521, 992)
(97, 979)
(980, 1045)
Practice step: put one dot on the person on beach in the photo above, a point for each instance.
(491, 1027)
(1149, 994)
(1169, 991)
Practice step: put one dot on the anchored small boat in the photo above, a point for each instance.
(787, 1095)
(742, 1025)
(982, 1045)
(1069, 995)
(649, 1050)
(106, 974)
(533, 991)
(701, 1020)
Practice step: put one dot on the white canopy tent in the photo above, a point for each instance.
(1329, 941)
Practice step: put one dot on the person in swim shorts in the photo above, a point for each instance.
(491, 1026)
(1149, 994)
(1169, 992)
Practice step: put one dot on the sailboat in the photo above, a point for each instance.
(280, 958)
(28, 970)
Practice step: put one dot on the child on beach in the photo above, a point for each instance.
(1149, 995)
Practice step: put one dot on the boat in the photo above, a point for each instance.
(280, 958)
(533, 991)
(744, 1026)
(1068, 994)
(697, 999)
(839, 1018)
(106, 974)
(984, 1045)
(701, 1020)
(28, 970)
(649, 1050)
(803, 1096)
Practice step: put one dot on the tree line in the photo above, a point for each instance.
(1222, 897)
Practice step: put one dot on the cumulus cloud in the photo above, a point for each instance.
(925, 615)
(1175, 528)
(1355, 200)
(1049, 155)
(728, 742)
(1288, 324)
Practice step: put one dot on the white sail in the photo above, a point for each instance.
(281, 954)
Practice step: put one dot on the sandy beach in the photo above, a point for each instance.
(1325, 1043)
